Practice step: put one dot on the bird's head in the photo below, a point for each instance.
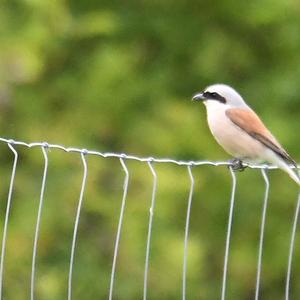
(220, 94)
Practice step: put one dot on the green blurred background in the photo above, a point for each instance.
(119, 76)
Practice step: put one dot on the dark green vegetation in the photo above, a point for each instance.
(119, 76)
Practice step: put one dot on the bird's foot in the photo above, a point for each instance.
(237, 165)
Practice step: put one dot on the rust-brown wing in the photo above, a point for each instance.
(249, 122)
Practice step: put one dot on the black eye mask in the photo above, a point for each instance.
(214, 96)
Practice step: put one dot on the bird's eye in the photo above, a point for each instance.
(214, 94)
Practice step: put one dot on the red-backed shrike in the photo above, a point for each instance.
(238, 129)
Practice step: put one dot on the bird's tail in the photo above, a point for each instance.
(293, 172)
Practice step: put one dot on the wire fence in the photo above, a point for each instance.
(151, 162)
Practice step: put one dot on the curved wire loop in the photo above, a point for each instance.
(151, 214)
(262, 230)
(233, 176)
(186, 235)
(117, 242)
(83, 185)
(38, 221)
(7, 213)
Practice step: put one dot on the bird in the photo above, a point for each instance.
(241, 133)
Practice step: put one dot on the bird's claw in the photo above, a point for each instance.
(237, 165)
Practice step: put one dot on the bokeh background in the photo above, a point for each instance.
(119, 76)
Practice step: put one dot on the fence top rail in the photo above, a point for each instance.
(129, 156)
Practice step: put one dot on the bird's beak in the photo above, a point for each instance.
(198, 97)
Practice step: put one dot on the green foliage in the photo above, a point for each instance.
(119, 77)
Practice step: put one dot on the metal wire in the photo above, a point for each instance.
(83, 184)
(38, 221)
(4, 237)
(149, 160)
(291, 251)
(151, 213)
(125, 188)
(186, 236)
(228, 233)
(262, 230)
(133, 157)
